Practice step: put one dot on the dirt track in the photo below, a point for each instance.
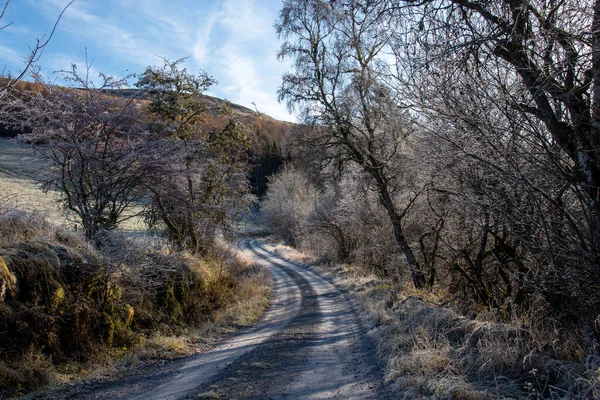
(310, 345)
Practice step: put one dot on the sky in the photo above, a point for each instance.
(232, 40)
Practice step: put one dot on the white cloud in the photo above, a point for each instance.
(20, 30)
(247, 63)
(202, 47)
(11, 56)
(245, 83)
(247, 20)
(108, 36)
(233, 40)
(103, 35)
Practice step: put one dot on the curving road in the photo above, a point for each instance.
(310, 344)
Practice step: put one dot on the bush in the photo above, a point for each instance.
(51, 280)
(64, 301)
(290, 198)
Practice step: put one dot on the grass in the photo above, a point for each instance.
(19, 191)
(16, 159)
(133, 302)
(433, 352)
(95, 314)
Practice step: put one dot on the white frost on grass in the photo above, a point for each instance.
(18, 190)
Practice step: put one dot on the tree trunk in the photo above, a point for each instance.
(595, 101)
(416, 269)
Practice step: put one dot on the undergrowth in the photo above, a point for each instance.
(434, 350)
(69, 309)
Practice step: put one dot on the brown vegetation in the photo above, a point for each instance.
(65, 303)
(431, 351)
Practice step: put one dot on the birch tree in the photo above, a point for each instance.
(338, 83)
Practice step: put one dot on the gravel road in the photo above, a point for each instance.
(311, 344)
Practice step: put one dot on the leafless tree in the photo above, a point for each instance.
(35, 50)
(339, 84)
(290, 199)
(476, 123)
(510, 88)
(537, 60)
(94, 142)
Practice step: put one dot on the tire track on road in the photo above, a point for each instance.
(311, 344)
(205, 367)
(266, 371)
(343, 363)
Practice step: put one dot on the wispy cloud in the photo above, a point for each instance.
(11, 56)
(202, 46)
(247, 59)
(104, 33)
(233, 40)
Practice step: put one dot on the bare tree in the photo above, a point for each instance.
(35, 50)
(541, 57)
(333, 217)
(510, 88)
(94, 142)
(499, 100)
(290, 199)
(339, 84)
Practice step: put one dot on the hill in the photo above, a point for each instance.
(266, 134)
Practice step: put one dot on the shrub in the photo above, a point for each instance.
(290, 198)
(63, 300)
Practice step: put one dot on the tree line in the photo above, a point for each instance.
(455, 143)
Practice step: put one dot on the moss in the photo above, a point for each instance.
(8, 281)
(129, 314)
(37, 271)
(170, 301)
(74, 304)
(57, 300)
(109, 330)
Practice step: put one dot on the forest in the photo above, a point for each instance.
(455, 143)
(455, 149)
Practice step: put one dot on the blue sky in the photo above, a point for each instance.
(232, 40)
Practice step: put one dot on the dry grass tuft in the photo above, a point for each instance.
(433, 352)
(67, 306)
(209, 395)
(35, 370)
(164, 347)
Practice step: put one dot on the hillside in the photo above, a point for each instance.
(266, 134)
(72, 307)
(263, 124)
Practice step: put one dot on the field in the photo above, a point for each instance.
(18, 166)
(19, 190)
